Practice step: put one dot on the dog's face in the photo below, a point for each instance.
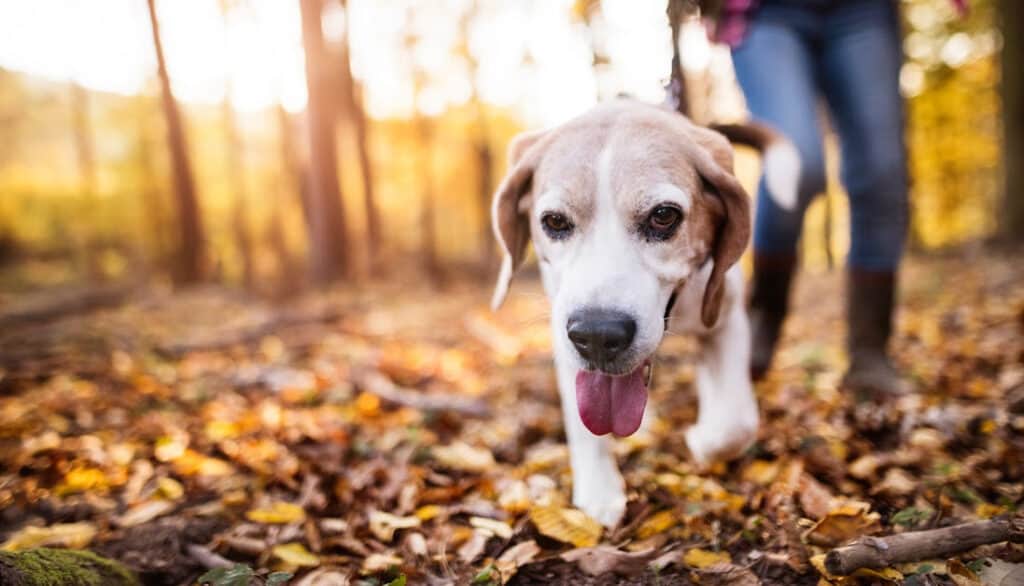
(623, 205)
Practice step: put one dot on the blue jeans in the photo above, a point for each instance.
(848, 52)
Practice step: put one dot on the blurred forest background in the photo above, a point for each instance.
(272, 145)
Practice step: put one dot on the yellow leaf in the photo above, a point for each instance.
(428, 512)
(296, 555)
(761, 472)
(169, 488)
(566, 525)
(192, 463)
(70, 535)
(496, 528)
(277, 513)
(367, 405)
(82, 480)
(702, 558)
(988, 510)
(655, 524)
(383, 525)
(462, 456)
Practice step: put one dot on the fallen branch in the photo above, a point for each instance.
(375, 383)
(882, 552)
(207, 558)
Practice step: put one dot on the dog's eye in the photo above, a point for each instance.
(662, 222)
(556, 225)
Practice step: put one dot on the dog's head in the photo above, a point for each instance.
(623, 205)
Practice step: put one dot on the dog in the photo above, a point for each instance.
(637, 222)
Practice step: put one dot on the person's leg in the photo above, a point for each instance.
(860, 64)
(776, 71)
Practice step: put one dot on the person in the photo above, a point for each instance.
(789, 56)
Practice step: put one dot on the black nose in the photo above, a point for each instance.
(601, 335)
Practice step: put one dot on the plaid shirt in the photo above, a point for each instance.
(731, 25)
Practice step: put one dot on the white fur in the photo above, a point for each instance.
(782, 173)
(603, 265)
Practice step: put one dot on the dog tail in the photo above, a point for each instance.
(780, 158)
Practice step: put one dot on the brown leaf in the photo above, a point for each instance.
(727, 574)
(843, 524)
(601, 559)
(814, 498)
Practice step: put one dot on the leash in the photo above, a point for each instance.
(676, 96)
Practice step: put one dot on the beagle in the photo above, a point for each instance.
(637, 222)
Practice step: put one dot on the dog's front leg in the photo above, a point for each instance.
(597, 486)
(727, 419)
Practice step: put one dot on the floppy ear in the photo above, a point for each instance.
(734, 232)
(510, 209)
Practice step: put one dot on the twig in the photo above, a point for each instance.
(207, 558)
(881, 552)
(376, 383)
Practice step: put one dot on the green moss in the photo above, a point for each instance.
(62, 567)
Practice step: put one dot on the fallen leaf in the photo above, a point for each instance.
(656, 523)
(702, 558)
(843, 524)
(473, 548)
(383, 525)
(1000, 573)
(295, 555)
(515, 557)
(492, 526)
(379, 562)
(566, 525)
(961, 574)
(324, 577)
(602, 559)
(462, 456)
(70, 535)
(145, 512)
(727, 574)
(82, 480)
(896, 482)
(762, 472)
(278, 513)
(814, 498)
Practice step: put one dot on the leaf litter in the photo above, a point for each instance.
(401, 438)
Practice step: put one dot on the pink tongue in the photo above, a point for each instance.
(611, 403)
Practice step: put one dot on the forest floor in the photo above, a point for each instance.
(362, 436)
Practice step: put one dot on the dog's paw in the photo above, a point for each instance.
(604, 503)
(710, 443)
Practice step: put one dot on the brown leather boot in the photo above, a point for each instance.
(871, 298)
(769, 301)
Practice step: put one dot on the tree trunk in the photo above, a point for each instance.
(428, 228)
(1013, 120)
(85, 152)
(156, 215)
(190, 261)
(240, 212)
(290, 186)
(328, 235)
(356, 115)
